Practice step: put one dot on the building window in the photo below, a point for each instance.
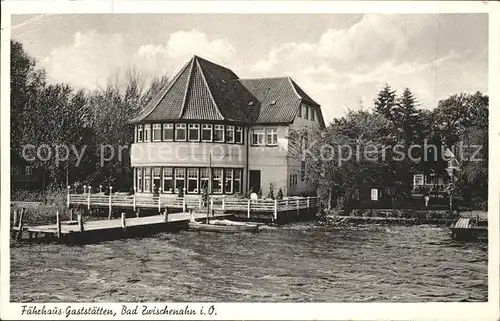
(302, 171)
(14, 170)
(206, 132)
(139, 133)
(272, 136)
(180, 131)
(156, 132)
(135, 134)
(230, 134)
(306, 112)
(147, 180)
(228, 181)
(192, 175)
(217, 180)
(204, 178)
(237, 181)
(299, 114)
(258, 136)
(180, 174)
(156, 178)
(418, 179)
(168, 132)
(28, 171)
(239, 134)
(219, 133)
(194, 132)
(168, 179)
(139, 179)
(312, 114)
(430, 179)
(147, 132)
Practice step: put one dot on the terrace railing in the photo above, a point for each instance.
(216, 203)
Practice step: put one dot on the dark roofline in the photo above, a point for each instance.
(143, 114)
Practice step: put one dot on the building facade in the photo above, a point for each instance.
(431, 182)
(209, 129)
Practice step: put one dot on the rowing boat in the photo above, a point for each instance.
(224, 226)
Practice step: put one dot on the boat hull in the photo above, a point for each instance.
(223, 228)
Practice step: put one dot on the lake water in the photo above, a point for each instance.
(296, 262)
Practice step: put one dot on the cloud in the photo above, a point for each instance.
(89, 61)
(179, 48)
(92, 58)
(345, 68)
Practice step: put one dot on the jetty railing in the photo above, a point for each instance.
(216, 203)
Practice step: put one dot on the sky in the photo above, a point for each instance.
(340, 60)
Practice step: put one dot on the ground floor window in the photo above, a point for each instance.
(193, 179)
(204, 178)
(237, 181)
(147, 180)
(168, 180)
(156, 179)
(228, 181)
(192, 176)
(180, 174)
(139, 179)
(217, 180)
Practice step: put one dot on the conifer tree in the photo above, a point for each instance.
(385, 102)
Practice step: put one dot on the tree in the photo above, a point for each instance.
(385, 102)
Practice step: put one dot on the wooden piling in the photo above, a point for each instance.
(110, 206)
(165, 214)
(58, 224)
(80, 223)
(124, 225)
(21, 224)
(14, 219)
(137, 212)
(248, 209)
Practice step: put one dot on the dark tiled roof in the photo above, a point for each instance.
(203, 90)
(279, 102)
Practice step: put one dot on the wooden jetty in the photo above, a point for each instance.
(155, 212)
(101, 229)
(466, 228)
